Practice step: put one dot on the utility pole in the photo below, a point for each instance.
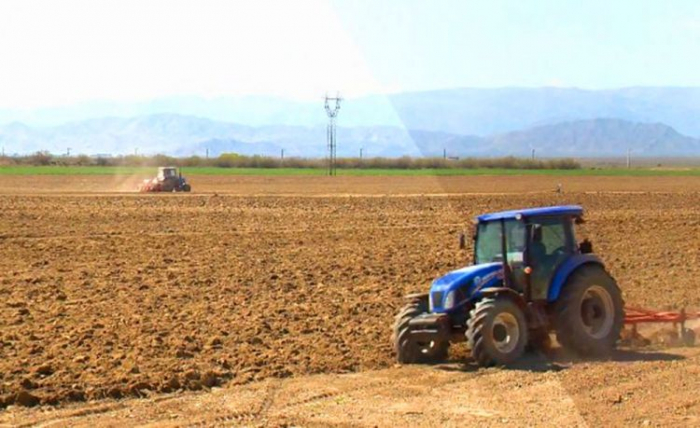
(360, 153)
(207, 153)
(444, 153)
(282, 155)
(330, 131)
(533, 154)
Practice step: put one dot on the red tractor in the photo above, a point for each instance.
(169, 179)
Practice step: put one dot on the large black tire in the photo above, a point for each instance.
(589, 313)
(408, 350)
(186, 188)
(496, 331)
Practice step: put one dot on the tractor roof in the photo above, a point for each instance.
(562, 210)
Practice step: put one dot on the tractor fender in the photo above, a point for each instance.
(561, 275)
(505, 291)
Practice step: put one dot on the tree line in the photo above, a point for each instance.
(232, 160)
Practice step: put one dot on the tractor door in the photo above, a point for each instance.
(496, 238)
(515, 250)
(549, 244)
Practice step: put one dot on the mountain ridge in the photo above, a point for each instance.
(462, 111)
(183, 135)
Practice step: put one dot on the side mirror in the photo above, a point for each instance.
(585, 247)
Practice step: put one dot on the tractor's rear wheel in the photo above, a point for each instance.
(496, 331)
(408, 350)
(589, 314)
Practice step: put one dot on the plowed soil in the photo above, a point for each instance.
(106, 296)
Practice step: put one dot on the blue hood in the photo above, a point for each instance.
(465, 283)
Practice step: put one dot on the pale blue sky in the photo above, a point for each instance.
(55, 53)
(414, 44)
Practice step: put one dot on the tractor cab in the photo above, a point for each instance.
(168, 172)
(533, 242)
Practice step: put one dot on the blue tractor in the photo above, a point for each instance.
(530, 277)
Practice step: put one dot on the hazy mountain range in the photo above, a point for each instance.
(462, 122)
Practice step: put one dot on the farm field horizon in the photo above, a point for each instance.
(109, 294)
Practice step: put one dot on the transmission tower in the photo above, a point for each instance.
(330, 132)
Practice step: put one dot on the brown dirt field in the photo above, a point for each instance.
(109, 296)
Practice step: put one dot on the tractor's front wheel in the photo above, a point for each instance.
(496, 331)
(589, 313)
(408, 349)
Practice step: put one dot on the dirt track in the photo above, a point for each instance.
(543, 392)
(108, 296)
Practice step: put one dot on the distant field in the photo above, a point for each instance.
(147, 171)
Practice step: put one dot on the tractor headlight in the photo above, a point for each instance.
(449, 301)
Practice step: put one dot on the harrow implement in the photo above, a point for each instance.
(635, 316)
